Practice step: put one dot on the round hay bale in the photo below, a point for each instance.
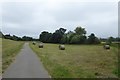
(106, 46)
(40, 45)
(62, 47)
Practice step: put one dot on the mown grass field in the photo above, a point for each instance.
(78, 61)
(10, 49)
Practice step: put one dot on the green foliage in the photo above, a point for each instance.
(16, 38)
(109, 40)
(92, 39)
(75, 39)
(80, 31)
(57, 35)
(70, 37)
(64, 39)
(26, 38)
(52, 38)
(8, 36)
(78, 37)
(45, 36)
(82, 39)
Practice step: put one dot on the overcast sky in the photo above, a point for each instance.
(31, 18)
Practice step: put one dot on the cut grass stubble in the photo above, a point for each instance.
(78, 61)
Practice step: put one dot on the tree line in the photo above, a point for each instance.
(16, 38)
(78, 36)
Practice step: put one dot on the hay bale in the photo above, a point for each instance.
(34, 43)
(62, 47)
(40, 45)
(106, 46)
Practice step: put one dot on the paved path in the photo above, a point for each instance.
(26, 65)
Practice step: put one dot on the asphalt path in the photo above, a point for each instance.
(26, 65)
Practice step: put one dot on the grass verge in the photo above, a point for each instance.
(10, 49)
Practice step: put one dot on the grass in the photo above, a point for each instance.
(78, 61)
(10, 49)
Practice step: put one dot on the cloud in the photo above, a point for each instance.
(17, 12)
(30, 18)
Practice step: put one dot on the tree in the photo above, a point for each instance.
(80, 31)
(26, 38)
(82, 39)
(117, 39)
(75, 39)
(79, 36)
(64, 39)
(15, 38)
(110, 40)
(67, 37)
(57, 35)
(8, 36)
(92, 39)
(45, 36)
(52, 38)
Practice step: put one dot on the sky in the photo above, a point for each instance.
(32, 17)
